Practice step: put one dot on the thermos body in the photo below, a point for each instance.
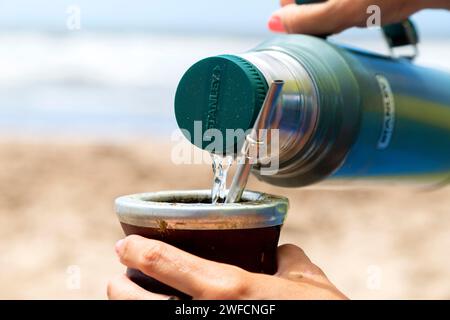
(405, 121)
(350, 114)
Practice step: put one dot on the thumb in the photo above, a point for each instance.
(315, 19)
(293, 264)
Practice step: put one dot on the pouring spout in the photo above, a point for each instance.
(253, 141)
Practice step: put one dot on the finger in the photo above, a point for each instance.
(286, 2)
(122, 288)
(293, 263)
(197, 277)
(317, 19)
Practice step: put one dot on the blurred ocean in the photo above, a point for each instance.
(118, 84)
(97, 84)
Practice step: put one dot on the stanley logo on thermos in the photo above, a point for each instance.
(388, 113)
(213, 98)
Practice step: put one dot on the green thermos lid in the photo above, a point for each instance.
(222, 92)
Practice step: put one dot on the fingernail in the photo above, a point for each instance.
(118, 246)
(275, 24)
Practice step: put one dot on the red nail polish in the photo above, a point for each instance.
(276, 25)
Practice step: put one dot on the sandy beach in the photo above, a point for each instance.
(57, 222)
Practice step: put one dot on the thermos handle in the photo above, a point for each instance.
(397, 34)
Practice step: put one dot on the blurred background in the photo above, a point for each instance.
(86, 115)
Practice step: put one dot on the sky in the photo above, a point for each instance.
(201, 16)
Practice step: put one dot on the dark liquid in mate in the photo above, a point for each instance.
(251, 249)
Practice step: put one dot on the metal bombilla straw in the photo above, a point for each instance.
(252, 140)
